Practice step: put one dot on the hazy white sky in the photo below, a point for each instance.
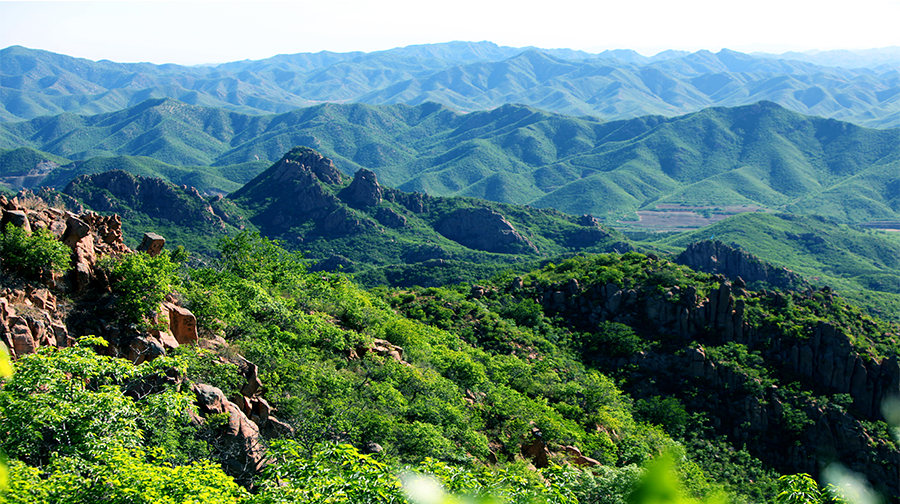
(215, 32)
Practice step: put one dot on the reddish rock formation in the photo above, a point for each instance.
(239, 442)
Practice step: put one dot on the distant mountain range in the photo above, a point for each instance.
(469, 76)
(760, 155)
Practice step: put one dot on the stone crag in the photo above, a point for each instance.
(108, 191)
(732, 262)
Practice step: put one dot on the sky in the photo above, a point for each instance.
(191, 33)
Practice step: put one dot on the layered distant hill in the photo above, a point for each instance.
(467, 77)
(757, 156)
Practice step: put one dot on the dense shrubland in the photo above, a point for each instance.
(483, 371)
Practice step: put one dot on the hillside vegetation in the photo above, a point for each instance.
(758, 156)
(556, 386)
(386, 236)
(862, 264)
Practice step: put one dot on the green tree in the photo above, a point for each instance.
(798, 489)
(142, 283)
(5, 372)
(252, 256)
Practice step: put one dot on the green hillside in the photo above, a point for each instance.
(507, 389)
(760, 155)
(862, 264)
(17, 164)
(357, 225)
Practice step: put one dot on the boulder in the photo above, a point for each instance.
(143, 349)
(182, 324)
(251, 374)
(76, 229)
(389, 218)
(536, 450)
(152, 244)
(17, 218)
(22, 340)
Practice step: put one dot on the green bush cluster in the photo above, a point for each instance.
(142, 282)
(32, 255)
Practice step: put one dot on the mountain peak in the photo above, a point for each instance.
(305, 159)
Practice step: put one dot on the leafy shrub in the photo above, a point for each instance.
(252, 256)
(32, 255)
(526, 313)
(611, 339)
(142, 283)
(668, 413)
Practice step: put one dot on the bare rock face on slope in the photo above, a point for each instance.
(364, 190)
(717, 257)
(109, 191)
(483, 229)
(240, 443)
(301, 187)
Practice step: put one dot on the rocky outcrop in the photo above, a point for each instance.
(238, 441)
(827, 357)
(426, 252)
(89, 235)
(119, 191)
(536, 450)
(389, 218)
(577, 458)
(379, 347)
(302, 161)
(297, 189)
(483, 229)
(343, 221)
(29, 319)
(152, 244)
(364, 190)
(32, 315)
(733, 262)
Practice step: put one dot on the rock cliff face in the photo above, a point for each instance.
(299, 188)
(716, 257)
(483, 229)
(824, 359)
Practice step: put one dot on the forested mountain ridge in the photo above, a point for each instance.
(355, 224)
(756, 156)
(463, 75)
(485, 378)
